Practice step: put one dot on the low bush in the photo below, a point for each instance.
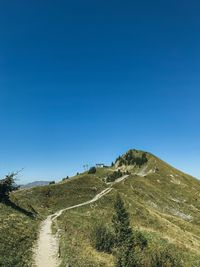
(131, 159)
(102, 238)
(165, 257)
(130, 247)
(92, 170)
(115, 175)
(139, 240)
(7, 185)
(65, 178)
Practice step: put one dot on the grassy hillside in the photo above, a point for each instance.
(18, 231)
(17, 234)
(163, 203)
(48, 199)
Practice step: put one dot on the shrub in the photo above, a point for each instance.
(121, 223)
(65, 178)
(139, 240)
(131, 159)
(126, 257)
(7, 185)
(131, 247)
(92, 170)
(102, 238)
(125, 239)
(115, 175)
(165, 258)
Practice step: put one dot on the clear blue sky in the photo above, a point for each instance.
(83, 81)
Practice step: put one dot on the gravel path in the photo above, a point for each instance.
(47, 249)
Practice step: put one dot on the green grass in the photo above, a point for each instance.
(17, 235)
(18, 232)
(48, 199)
(76, 226)
(163, 204)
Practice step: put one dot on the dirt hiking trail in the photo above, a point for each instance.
(47, 248)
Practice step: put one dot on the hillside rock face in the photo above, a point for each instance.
(137, 162)
(132, 157)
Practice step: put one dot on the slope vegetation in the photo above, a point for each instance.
(163, 204)
(19, 232)
(162, 201)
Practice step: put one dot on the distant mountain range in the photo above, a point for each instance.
(34, 184)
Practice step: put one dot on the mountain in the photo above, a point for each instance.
(163, 204)
(34, 184)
